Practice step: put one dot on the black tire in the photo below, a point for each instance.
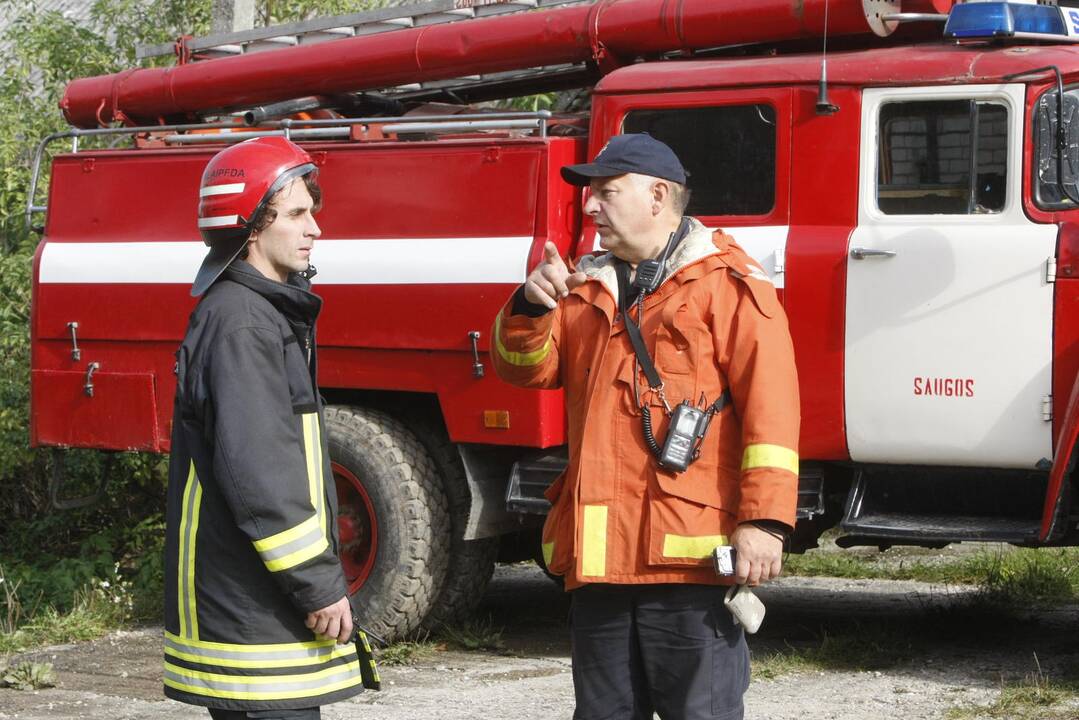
(404, 494)
(471, 562)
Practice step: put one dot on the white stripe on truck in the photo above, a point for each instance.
(400, 261)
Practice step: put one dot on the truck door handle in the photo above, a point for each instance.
(477, 366)
(863, 253)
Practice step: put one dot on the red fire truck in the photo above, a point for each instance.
(904, 170)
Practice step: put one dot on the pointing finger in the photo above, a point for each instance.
(550, 254)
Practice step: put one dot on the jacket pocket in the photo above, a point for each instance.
(678, 341)
(690, 514)
(558, 529)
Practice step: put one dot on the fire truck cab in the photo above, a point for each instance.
(915, 208)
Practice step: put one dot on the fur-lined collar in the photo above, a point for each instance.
(695, 245)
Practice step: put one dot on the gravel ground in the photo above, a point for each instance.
(931, 650)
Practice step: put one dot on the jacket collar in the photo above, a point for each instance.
(697, 244)
(293, 298)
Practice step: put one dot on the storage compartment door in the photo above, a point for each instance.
(119, 412)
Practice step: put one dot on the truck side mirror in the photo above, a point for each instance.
(1052, 168)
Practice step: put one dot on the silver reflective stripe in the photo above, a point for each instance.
(203, 652)
(215, 683)
(229, 189)
(218, 221)
(296, 545)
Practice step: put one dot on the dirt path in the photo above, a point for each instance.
(893, 650)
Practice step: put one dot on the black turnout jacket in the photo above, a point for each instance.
(251, 523)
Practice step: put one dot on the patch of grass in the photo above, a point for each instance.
(863, 647)
(1035, 697)
(476, 634)
(779, 664)
(1010, 576)
(857, 647)
(28, 676)
(100, 607)
(1046, 575)
(407, 652)
(832, 564)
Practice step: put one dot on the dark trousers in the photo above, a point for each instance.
(669, 649)
(304, 714)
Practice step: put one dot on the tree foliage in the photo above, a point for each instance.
(40, 52)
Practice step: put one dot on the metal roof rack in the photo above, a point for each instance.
(318, 129)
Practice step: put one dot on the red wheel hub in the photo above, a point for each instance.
(357, 526)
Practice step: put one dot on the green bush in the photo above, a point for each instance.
(74, 572)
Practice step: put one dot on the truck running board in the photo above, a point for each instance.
(934, 507)
(533, 474)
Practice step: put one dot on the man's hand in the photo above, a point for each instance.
(551, 280)
(332, 621)
(759, 555)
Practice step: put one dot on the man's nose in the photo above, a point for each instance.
(591, 207)
(312, 227)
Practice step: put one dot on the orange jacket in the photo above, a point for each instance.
(715, 323)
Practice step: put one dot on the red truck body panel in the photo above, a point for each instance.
(406, 334)
(424, 241)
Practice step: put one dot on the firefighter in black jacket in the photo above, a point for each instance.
(255, 599)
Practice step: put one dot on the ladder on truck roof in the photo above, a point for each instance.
(336, 27)
(471, 88)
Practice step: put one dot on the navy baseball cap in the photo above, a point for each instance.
(630, 153)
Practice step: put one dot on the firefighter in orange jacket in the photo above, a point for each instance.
(634, 539)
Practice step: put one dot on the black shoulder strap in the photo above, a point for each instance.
(622, 271)
(634, 332)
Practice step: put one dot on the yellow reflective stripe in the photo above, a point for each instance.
(312, 449)
(181, 566)
(337, 652)
(309, 454)
(270, 695)
(548, 553)
(197, 504)
(295, 558)
(286, 536)
(320, 508)
(371, 659)
(594, 541)
(770, 456)
(264, 679)
(234, 647)
(691, 546)
(293, 546)
(274, 687)
(185, 567)
(521, 359)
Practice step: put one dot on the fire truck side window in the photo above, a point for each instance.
(729, 152)
(942, 157)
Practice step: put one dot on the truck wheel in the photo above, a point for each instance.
(393, 519)
(471, 562)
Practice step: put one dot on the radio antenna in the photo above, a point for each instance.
(824, 107)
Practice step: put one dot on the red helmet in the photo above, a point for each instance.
(237, 183)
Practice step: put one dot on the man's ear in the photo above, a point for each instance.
(661, 193)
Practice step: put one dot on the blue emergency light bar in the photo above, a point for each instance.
(989, 20)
